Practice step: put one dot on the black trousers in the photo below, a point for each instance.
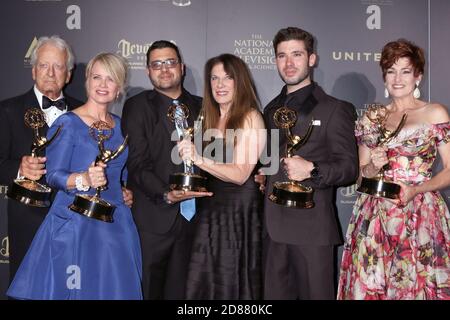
(165, 259)
(299, 272)
(23, 223)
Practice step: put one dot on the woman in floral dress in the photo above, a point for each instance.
(400, 249)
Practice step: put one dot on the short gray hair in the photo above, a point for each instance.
(58, 42)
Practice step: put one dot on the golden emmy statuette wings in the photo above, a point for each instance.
(29, 192)
(380, 186)
(187, 180)
(93, 206)
(291, 193)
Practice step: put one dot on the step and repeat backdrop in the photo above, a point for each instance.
(349, 34)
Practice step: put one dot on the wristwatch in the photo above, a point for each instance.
(315, 171)
(166, 199)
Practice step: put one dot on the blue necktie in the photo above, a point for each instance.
(187, 207)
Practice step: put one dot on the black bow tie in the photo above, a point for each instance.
(47, 103)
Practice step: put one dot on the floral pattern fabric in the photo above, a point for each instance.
(399, 252)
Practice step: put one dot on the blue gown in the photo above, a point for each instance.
(73, 256)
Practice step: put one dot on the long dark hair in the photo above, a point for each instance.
(245, 97)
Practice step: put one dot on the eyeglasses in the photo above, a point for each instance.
(158, 64)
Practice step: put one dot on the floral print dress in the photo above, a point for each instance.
(394, 252)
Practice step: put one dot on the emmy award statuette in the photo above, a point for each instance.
(93, 206)
(378, 186)
(27, 191)
(187, 180)
(291, 194)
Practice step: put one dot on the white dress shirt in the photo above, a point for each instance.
(52, 113)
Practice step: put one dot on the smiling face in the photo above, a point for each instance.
(50, 72)
(167, 77)
(293, 64)
(400, 80)
(222, 86)
(100, 85)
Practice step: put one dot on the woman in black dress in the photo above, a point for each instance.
(227, 250)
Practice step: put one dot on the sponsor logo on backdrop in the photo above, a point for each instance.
(4, 250)
(27, 57)
(3, 191)
(178, 3)
(356, 56)
(360, 112)
(256, 51)
(348, 194)
(181, 3)
(135, 53)
(377, 2)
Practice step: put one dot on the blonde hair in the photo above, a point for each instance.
(114, 64)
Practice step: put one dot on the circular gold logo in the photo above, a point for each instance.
(34, 118)
(285, 118)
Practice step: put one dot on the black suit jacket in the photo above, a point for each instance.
(15, 142)
(15, 137)
(144, 119)
(332, 146)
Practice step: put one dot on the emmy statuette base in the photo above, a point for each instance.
(187, 182)
(93, 207)
(30, 193)
(292, 194)
(379, 188)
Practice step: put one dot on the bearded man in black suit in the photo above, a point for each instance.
(164, 229)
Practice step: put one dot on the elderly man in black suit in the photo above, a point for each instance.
(300, 242)
(52, 63)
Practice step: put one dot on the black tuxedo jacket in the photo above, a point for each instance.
(144, 119)
(15, 142)
(15, 137)
(332, 146)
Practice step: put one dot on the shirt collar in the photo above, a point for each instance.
(39, 95)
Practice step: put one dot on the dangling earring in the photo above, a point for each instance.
(117, 95)
(416, 92)
(386, 93)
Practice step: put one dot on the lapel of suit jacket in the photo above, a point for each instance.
(72, 103)
(31, 101)
(187, 100)
(273, 107)
(307, 106)
(159, 110)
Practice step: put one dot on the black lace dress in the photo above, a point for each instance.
(226, 259)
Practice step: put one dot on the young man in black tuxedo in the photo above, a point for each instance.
(300, 242)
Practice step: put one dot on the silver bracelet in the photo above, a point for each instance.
(79, 183)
